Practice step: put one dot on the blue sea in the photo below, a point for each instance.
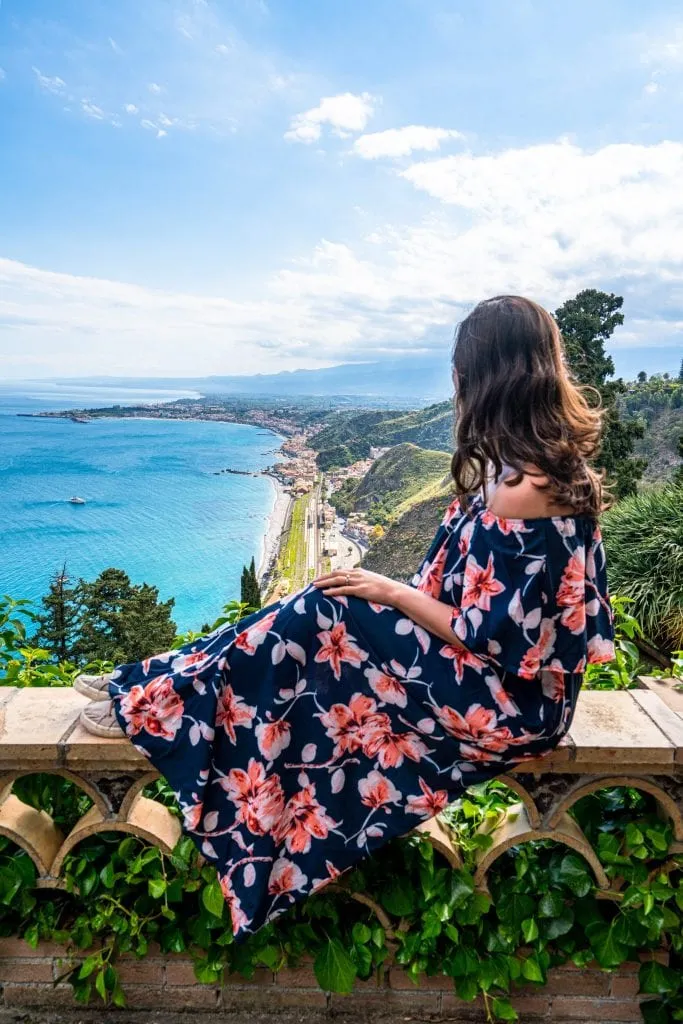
(153, 504)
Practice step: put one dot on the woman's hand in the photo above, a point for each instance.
(359, 583)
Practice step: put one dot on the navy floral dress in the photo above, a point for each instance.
(312, 732)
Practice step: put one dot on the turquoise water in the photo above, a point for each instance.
(153, 504)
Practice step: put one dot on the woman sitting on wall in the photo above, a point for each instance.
(310, 733)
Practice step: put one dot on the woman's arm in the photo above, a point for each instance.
(426, 611)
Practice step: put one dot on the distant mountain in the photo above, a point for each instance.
(408, 380)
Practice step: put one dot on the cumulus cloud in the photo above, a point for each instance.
(396, 142)
(545, 220)
(667, 49)
(345, 114)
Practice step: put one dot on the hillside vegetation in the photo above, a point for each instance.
(349, 436)
(399, 552)
(658, 403)
(392, 482)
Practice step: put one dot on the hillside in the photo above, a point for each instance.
(399, 552)
(392, 482)
(658, 402)
(349, 436)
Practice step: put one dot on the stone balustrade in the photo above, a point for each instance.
(632, 738)
(626, 738)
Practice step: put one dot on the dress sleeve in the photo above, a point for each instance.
(504, 613)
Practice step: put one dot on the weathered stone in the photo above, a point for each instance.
(515, 828)
(32, 830)
(35, 721)
(612, 727)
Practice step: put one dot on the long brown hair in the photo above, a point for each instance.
(517, 406)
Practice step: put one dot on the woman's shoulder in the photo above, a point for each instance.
(525, 497)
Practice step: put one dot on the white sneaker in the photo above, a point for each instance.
(95, 687)
(99, 719)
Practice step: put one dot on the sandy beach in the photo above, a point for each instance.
(276, 523)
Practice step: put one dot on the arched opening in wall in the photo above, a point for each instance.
(61, 797)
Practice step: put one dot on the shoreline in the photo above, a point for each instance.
(272, 538)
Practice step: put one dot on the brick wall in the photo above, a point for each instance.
(29, 978)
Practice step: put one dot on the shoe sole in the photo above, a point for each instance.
(80, 686)
(107, 732)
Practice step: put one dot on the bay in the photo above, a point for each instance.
(154, 506)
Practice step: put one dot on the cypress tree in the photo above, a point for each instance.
(58, 623)
(250, 593)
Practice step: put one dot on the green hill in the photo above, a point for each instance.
(399, 552)
(658, 403)
(349, 436)
(393, 482)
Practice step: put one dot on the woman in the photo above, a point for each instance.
(310, 733)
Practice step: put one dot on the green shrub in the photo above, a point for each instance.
(644, 543)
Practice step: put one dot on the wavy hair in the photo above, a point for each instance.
(516, 405)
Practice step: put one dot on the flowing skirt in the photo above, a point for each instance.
(307, 735)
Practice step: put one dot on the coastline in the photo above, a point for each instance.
(270, 545)
(271, 539)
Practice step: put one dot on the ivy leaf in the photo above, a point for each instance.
(157, 888)
(89, 965)
(334, 969)
(466, 988)
(107, 875)
(504, 1010)
(573, 872)
(399, 898)
(657, 979)
(608, 950)
(551, 905)
(100, 986)
(207, 972)
(529, 929)
(212, 898)
(531, 969)
(514, 907)
(558, 926)
(654, 1012)
(361, 933)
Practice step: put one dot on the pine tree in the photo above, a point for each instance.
(642, 377)
(120, 621)
(680, 372)
(586, 322)
(58, 624)
(250, 593)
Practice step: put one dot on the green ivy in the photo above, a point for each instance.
(542, 909)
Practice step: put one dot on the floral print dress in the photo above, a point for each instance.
(307, 735)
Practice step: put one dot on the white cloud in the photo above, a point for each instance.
(2, 74)
(396, 142)
(92, 110)
(651, 88)
(667, 49)
(545, 220)
(114, 45)
(155, 88)
(54, 84)
(344, 113)
(130, 108)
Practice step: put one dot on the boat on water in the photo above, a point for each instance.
(77, 501)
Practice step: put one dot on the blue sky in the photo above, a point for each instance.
(233, 186)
